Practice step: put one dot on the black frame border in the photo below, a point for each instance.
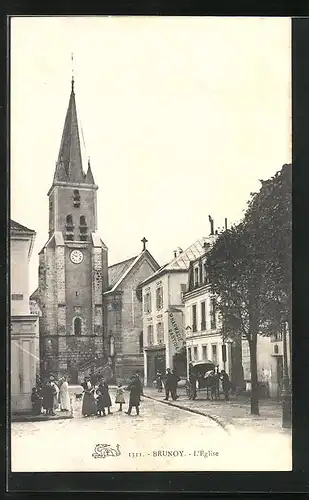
(198, 482)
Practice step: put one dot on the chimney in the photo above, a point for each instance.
(211, 224)
(175, 253)
(225, 223)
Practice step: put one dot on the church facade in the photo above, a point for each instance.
(84, 325)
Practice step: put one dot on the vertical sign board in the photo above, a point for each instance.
(175, 329)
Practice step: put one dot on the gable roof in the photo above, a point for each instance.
(125, 267)
(117, 270)
(183, 259)
(34, 295)
(15, 226)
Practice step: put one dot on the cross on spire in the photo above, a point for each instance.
(72, 80)
(144, 241)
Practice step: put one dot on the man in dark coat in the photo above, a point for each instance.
(226, 384)
(174, 381)
(104, 400)
(135, 388)
(139, 381)
(168, 384)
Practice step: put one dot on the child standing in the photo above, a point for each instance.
(120, 397)
(100, 402)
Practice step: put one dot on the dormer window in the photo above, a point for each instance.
(196, 276)
(76, 198)
(205, 272)
(83, 228)
(69, 227)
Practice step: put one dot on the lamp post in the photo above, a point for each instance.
(286, 389)
(188, 342)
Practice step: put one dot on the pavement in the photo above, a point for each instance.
(164, 437)
(232, 414)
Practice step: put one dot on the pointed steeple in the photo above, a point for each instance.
(69, 167)
(89, 177)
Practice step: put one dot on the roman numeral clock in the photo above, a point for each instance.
(76, 256)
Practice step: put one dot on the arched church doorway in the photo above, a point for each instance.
(72, 372)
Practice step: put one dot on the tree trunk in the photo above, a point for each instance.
(254, 377)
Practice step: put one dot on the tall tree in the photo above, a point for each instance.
(236, 281)
(269, 217)
(249, 268)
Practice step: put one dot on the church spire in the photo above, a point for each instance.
(69, 167)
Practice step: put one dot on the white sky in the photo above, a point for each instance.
(181, 117)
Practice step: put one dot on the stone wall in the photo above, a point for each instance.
(126, 322)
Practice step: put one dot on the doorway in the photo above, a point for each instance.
(160, 363)
(72, 373)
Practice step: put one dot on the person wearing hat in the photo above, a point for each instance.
(135, 389)
(168, 384)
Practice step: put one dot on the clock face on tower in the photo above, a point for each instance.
(76, 256)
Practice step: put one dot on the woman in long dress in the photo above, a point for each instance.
(64, 395)
(89, 404)
(55, 390)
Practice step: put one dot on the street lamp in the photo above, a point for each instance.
(188, 334)
(286, 389)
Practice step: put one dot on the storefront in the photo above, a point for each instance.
(155, 361)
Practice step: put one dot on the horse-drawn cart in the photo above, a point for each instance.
(202, 377)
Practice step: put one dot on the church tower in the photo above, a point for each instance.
(73, 268)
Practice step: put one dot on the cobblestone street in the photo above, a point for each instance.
(68, 445)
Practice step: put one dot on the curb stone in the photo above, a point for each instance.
(39, 418)
(226, 426)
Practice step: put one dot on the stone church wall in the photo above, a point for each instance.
(129, 359)
(132, 323)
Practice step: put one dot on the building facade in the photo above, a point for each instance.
(204, 340)
(163, 314)
(24, 325)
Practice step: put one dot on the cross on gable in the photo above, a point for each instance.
(144, 241)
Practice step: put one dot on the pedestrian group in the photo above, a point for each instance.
(49, 396)
(97, 400)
